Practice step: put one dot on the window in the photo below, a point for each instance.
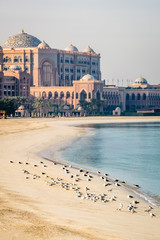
(78, 70)
(133, 96)
(66, 77)
(15, 59)
(66, 60)
(138, 96)
(71, 61)
(19, 59)
(71, 70)
(76, 95)
(55, 95)
(47, 74)
(43, 94)
(62, 95)
(68, 95)
(49, 95)
(66, 70)
(26, 59)
(89, 95)
(144, 96)
(127, 96)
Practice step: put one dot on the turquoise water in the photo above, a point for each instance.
(130, 152)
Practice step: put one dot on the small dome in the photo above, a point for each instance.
(89, 49)
(65, 107)
(117, 109)
(43, 44)
(15, 67)
(141, 80)
(71, 48)
(87, 77)
(21, 107)
(80, 108)
(21, 40)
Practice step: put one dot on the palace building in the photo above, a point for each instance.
(31, 68)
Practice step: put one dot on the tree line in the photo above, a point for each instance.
(38, 105)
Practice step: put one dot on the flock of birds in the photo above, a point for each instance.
(84, 193)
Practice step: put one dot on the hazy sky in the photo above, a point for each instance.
(125, 32)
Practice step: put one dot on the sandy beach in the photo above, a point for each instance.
(40, 200)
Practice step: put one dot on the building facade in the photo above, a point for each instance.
(48, 66)
(31, 68)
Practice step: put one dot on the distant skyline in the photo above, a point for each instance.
(125, 32)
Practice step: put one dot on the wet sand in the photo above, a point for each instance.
(34, 205)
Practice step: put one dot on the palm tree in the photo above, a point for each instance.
(38, 104)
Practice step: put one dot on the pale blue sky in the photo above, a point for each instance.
(125, 32)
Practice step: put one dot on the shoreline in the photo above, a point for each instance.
(52, 150)
(54, 205)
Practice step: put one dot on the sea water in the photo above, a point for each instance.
(129, 152)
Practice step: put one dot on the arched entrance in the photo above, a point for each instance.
(98, 96)
(83, 95)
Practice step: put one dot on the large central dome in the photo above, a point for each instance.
(21, 40)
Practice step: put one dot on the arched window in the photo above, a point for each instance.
(43, 94)
(89, 95)
(19, 59)
(15, 59)
(68, 95)
(138, 96)
(55, 95)
(62, 95)
(47, 74)
(127, 96)
(26, 59)
(49, 95)
(133, 96)
(144, 96)
(72, 95)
